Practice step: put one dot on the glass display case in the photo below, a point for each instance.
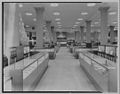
(101, 48)
(26, 51)
(111, 50)
(13, 55)
(20, 53)
(51, 52)
(100, 71)
(108, 52)
(23, 74)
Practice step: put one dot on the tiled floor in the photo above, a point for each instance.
(64, 73)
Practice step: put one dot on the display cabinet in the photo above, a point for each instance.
(13, 55)
(101, 72)
(26, 51)
(51, 52)
(25, 74)
(108, 52)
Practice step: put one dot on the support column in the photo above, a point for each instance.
(104, 23)
(53, 34)
(39, 26)
(77, 36)
(11, 28)
(81, 34)
(112, 34)
(96, 36)
(48, 25)
(88, 31)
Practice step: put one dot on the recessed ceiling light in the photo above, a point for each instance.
(44, 30)
(114, 22)
(54, 4)
(57, 19)
(75, 25)
(84, 13)
(59, 25)
(98, 31)
(91, 4)
(56, 13)
(80, 19)
(27, 26)
(58, 22)
(112, 13)
(77, 22)
(28, 14)
(34, 19)
(96, 22)
(20, 5)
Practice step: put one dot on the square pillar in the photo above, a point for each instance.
(53, 34)
(112, 34)
(39, 26)
(104, 24)
(48, 25)
(81, 34)
(88, 31)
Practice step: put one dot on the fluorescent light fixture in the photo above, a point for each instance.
(57, 19)
(59, 25)
(77, 22)
(56, 13)
(54, 4)
(28, 14)
(44, 30)
(44, 25)
(114, 22)
(96, 22)
(20, 5)
(84, 13)
(27, 26)
(75, 25)
(80, 19)
(91, 4)
(112, 13)
(34, 19)
(58, 22)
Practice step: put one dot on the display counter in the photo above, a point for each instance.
(77, 50)
(101, 72)
(25, 74)
(52, 52)
(57, 48)
(107, 51)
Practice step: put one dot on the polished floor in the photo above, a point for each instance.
(64, 73)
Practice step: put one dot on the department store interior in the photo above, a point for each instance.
(60, 46)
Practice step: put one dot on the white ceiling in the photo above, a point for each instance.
(69, 13)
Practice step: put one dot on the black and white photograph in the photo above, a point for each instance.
(60, 46)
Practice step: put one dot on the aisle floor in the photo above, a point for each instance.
(64, 73)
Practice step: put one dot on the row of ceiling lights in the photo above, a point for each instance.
(58, 13)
